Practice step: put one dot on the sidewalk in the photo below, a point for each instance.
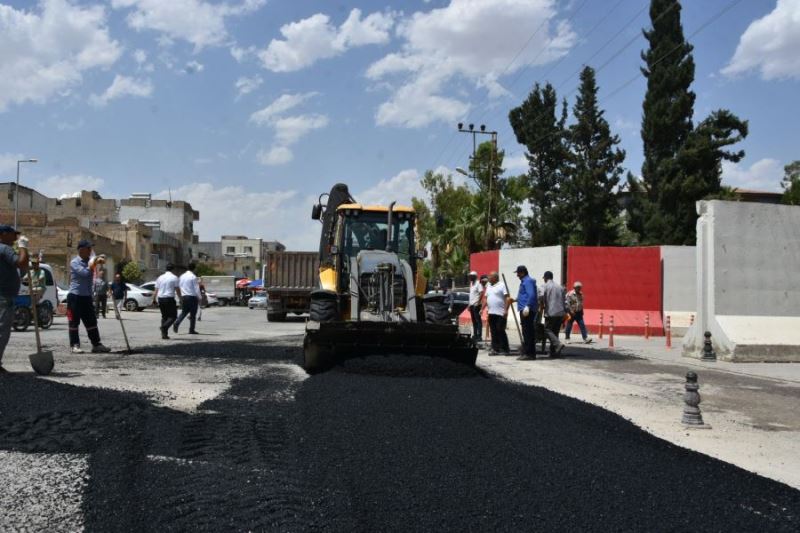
(752, 408)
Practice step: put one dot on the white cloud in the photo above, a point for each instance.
(763, 175)
(288, 129)
(122, 86)
(44, 52)
(401, 187)
(236, 210)
(193, 67)
(517, 164)
(277, 155)
(246, 85)
(308, 40)
(8, 165)
(282, 104)
(462, 41)
(770, 44)
(57, 186)
(140, 56)
(195, 21)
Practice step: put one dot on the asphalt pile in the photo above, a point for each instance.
(382, 443)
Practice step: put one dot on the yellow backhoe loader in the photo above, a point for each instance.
(371, 298)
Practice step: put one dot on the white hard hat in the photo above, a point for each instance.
(473, 273)
(577, 284)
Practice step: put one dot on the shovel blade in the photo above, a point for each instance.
(42, 362)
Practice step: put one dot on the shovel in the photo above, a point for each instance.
(41, 361)
(129, 351)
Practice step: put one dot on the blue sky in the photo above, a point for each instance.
(249, 109)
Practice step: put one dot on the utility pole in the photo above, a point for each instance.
(482, 131)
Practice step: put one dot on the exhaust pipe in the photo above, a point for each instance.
(389, 228)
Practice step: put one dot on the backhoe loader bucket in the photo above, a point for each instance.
(329, 343)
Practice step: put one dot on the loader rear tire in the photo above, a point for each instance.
(436, 309)
(324, 306)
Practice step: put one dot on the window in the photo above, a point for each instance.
(230, 249)
(248, 249)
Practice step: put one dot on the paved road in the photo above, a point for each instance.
(383, 443)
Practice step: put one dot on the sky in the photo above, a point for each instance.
(250, 109)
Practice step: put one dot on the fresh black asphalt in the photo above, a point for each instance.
(379, 444)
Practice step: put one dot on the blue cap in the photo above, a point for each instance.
(83, 243)
(5, 228)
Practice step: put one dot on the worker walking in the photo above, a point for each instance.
(119, 292)
(575, 307)
(80, 301)
(100, 292)
(497, 303)
(475, 299)
(554, 311)
(190, 298)
(164, 295)
(11, 263)
(526, 305)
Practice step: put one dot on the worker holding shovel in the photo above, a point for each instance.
(11, 263)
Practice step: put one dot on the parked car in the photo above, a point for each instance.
(257, 301)
(62, 294)
(212, 299)
(138, 298)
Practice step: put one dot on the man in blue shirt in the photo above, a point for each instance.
(80, 303)
(527, 305)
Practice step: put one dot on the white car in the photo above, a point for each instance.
(137, 298)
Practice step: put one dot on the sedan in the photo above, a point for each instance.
(137, 298)
(258, 301)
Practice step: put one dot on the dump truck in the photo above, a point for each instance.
(371, 296)
(289, 278)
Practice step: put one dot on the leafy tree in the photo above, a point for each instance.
(539, 126)
(682, 163)
(791, 183)
(132, 273)
(594, 171)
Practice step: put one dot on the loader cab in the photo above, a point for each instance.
(363, 228)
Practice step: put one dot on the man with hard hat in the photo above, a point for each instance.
(575, 308)
(11, 263)
(475, 301)
(80, 302)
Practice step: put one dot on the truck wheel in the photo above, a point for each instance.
(276, 317)
(436, 309)
(223, 302)
(324, 306)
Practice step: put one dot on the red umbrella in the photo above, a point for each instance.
(243, 283)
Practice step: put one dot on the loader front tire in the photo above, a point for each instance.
(324, 306)
(436, 309)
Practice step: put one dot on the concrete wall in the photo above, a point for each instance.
(537, 261)
(748, 272)
(679, 267)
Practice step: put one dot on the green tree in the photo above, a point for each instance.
(132, 273)
(791, 183)
(204, 269)
(539, 126)
(682, 164)
(594, 172)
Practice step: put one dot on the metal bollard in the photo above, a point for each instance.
(668, 332)
(611, 332)
(647, 326)
(691, 398)
(708, 350)
(600, 335)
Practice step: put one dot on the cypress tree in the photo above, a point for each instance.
(539, 126)
(595, 170)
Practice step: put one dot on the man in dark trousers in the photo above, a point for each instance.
(80, 301)
(11, 263)
(190, 298)
(554, 311)
(526, 305)
(475, 305)
(164, 295)
(497, 302)
(119, 291)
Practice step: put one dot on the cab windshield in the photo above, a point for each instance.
(367, 231)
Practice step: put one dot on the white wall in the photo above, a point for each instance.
(748, 281)
(537, 260)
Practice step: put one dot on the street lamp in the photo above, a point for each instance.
(16, 189)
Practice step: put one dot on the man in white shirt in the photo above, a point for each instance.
(497, 303)
(190, 298)
(475, 298)
(166, 288)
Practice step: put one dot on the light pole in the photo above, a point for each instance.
(16, 189)
(482, 131)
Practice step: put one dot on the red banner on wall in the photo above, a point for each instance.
(485, 262)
